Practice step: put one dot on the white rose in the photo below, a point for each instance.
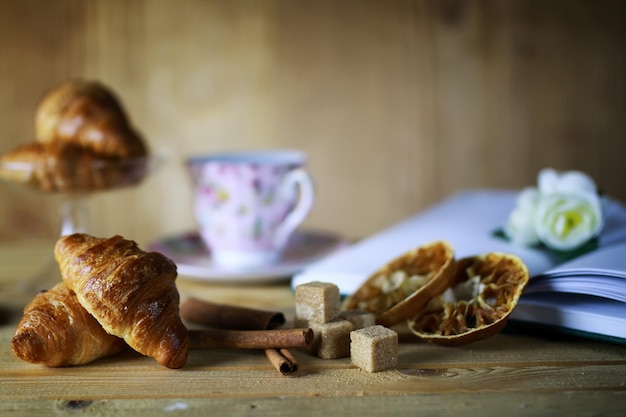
(565, 221)
(551, 182)
(520, 226)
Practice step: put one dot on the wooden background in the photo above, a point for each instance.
(397, 103)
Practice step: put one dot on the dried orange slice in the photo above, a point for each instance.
(402, 288)
(484, 292)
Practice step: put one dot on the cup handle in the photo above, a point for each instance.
(296, 178)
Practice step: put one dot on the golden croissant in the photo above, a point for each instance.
(88, 114)
(56, 330)
(130, 292)
(83, 141)
(58, 166)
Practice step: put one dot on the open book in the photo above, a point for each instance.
(586, 294)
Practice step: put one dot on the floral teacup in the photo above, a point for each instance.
(247, 204)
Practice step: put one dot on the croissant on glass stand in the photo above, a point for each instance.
(80, 126)
(58, 166)
(131, 293)
(56, 330)
(88, 114)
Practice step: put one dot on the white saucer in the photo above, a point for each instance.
(193, 258)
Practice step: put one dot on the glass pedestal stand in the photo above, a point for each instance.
(74, 217)
(74, 214)
(73, 210)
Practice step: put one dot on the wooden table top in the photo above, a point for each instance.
(509, 374)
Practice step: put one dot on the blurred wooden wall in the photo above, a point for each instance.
(398, 103)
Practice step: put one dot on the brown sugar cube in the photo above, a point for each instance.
(374, 348)
(317, 302)
(359, 318)
(331, 340)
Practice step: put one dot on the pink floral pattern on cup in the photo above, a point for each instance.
(247, 204)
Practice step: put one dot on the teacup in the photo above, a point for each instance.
(248, 204)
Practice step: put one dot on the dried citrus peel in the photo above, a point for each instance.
(404, 286)
(484, 292)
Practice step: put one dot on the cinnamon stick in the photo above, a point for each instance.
(229, 317)
(223, 316)
(250, 339)
(283, 361)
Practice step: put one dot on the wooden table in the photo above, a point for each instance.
(506, 375)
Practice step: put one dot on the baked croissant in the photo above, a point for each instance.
(84, 141)
(58, 166)
(56, 330)
(130, 292)
(87, 113)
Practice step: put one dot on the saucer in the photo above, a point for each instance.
(193, 258)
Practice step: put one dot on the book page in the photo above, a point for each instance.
(579, 312)
(466, 220)
(608, 261)
(601, 273)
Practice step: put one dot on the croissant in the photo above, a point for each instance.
(57, 166)
(88, 114)
(84, 141)
(56, 330)
(130, 292)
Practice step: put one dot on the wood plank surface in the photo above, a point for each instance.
(566, 375)
(515, 404)
(512, 373)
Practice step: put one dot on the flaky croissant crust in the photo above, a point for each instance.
(130, 292)
(56, 330)
(88, 114)
(84, 141)
(58, 166)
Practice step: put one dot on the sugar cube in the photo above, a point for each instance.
(359, 318)
(374, 348)
(317, 302)
(331, 340)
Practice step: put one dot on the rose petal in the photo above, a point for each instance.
(528, 198)
(576, 182)
(520, 226)
(520, 229)
(547, 181)
(565, 221)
